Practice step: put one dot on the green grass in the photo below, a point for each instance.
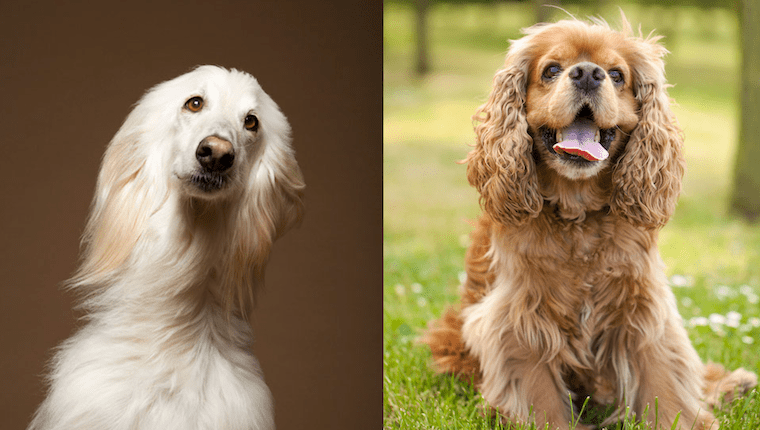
(713, 257)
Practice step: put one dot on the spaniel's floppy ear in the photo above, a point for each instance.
(272, 204)
(501, 166)
(647, 178)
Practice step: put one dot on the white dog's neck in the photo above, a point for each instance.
(170, 295)
(159, 346)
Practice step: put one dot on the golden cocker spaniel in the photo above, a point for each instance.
(578, 163)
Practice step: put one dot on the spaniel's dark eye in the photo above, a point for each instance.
(194, 104)
(251, 123)
(616, 76)
(552, 71)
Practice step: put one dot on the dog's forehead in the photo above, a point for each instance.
(571, 53)
(218, 85)
(570, 46)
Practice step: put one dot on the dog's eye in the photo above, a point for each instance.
(552, 71)
(616, 76)
(194, 104)
(251, 123)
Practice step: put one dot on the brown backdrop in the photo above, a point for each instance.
(69, 74)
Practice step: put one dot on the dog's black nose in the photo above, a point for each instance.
(215, 154)
(587, 76)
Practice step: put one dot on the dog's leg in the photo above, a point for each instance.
(516, 381)
(670, 376)
(525, 390)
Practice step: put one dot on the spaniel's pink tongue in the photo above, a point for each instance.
(581, 138)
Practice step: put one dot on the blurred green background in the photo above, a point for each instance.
(713, 257)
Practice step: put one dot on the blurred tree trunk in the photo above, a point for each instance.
(746, 194)
(422, 66)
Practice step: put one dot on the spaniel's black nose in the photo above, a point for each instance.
(587, 76)
(215, 154)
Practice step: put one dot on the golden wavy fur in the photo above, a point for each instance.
(566, 292)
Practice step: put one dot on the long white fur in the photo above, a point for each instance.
(169, 272)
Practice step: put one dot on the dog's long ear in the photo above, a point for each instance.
(272, 204)
(125, 196)
(647, 178)
(501, 165)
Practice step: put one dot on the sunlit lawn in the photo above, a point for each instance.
(713, 259)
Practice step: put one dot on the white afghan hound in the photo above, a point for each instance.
(193, 190)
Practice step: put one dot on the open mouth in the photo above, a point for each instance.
(582, 141)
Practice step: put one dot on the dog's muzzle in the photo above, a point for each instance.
(216, 157)
(587, 77)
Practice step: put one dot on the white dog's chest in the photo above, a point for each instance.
(114, 383)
